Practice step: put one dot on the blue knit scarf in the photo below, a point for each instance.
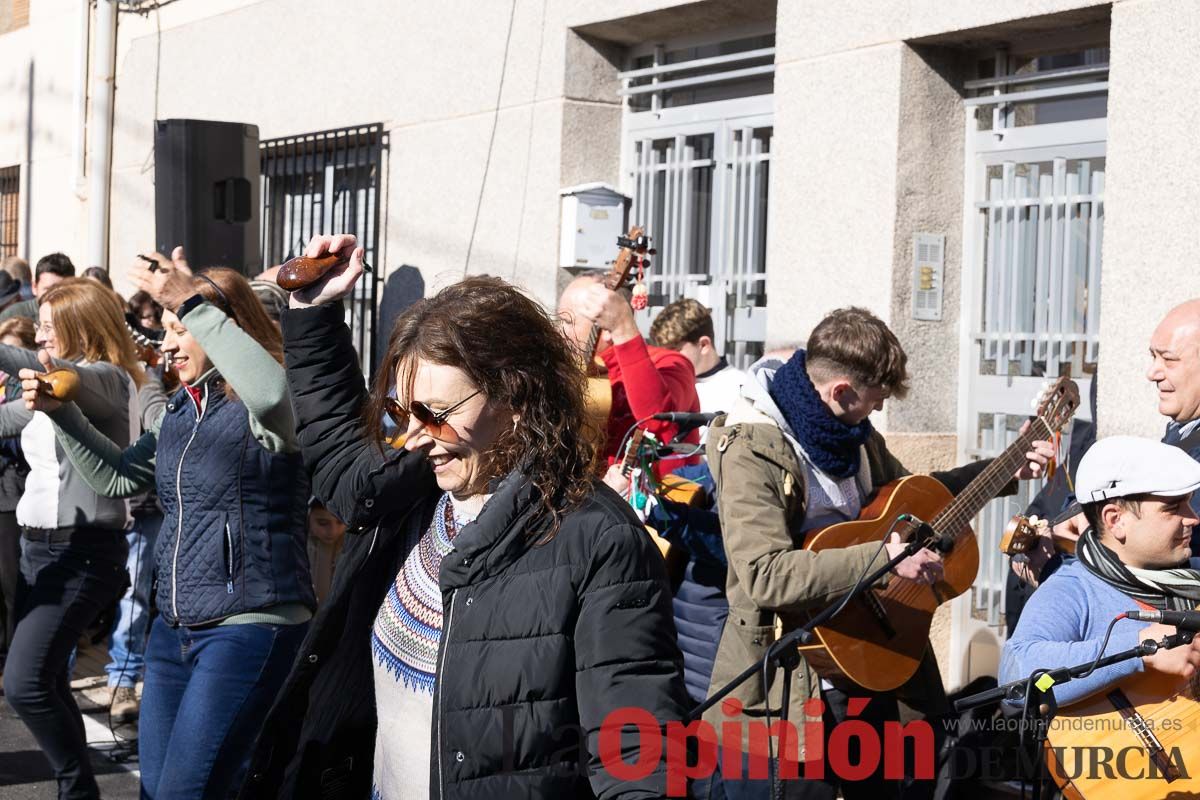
(832, 445)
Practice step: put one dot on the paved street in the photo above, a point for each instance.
(24, 772)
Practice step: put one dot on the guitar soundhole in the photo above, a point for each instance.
(871, 601)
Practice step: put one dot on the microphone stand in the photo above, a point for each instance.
(1040, 705)
(785, 652)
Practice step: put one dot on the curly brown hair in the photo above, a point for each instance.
(516, 354)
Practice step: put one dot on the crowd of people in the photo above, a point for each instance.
(440, 583)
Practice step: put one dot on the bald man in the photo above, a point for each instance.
(645, 380)
(1175, 370)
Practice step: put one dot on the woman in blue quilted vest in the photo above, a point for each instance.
(72, 540)
(234, 593)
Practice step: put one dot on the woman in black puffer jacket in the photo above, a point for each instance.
(494, 603)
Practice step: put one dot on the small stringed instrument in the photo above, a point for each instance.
(145, 340)
(1022, 533)
(1143, 727)
(677, 489)
(878, 640)
(598, 402)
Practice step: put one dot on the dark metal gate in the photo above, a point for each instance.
(328, 182)
(10, 210)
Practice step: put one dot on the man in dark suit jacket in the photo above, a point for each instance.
(1051, 502)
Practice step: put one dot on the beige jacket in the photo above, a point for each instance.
(762, 495)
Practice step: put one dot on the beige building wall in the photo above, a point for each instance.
(1151, 238)
(868, 144)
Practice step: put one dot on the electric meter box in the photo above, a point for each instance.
(593, 216)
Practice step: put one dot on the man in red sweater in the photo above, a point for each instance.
(645, 380)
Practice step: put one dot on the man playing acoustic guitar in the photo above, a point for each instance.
(645, 380)
(797, 453)
(1135, 552)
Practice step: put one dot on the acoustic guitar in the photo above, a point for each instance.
(598, 401)
(1142, 726)
(879, 639)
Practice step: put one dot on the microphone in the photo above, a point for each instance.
(675, 449)
(933, 539)
(1184, 620)
(688, 419)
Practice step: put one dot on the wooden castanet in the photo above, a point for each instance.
(1145, 725)
(302, 271)
(61, 384)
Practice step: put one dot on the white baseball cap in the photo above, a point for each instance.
(1120, 466)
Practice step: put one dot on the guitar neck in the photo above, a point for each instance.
(957, 517)
(631, 452)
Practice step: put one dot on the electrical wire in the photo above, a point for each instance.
(1038, 673)
(143, 9)
(487, 162)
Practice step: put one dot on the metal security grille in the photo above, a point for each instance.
(328, 182)
(1034, 222)
(697, 152)
(10, 210)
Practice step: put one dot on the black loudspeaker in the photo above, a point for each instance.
(206, 192)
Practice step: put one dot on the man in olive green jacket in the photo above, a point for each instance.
(794, 454)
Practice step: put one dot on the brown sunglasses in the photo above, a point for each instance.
(434, 422)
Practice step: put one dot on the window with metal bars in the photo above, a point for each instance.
(328, 182)
(10, 210)
(696, 156)
(1035, 189)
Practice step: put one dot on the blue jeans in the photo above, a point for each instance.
(127, 645)
(206, 694)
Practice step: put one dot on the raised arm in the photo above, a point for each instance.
(669, 385)
(109, 470)
(103, 387)
(349, 472)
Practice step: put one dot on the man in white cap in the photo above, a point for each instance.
(1135, 554)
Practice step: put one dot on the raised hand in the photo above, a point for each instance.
(610, 311)
(31, 386)
(339, 281)
(167, 280)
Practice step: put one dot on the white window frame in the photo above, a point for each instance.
(734, 322)
(998, 394)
